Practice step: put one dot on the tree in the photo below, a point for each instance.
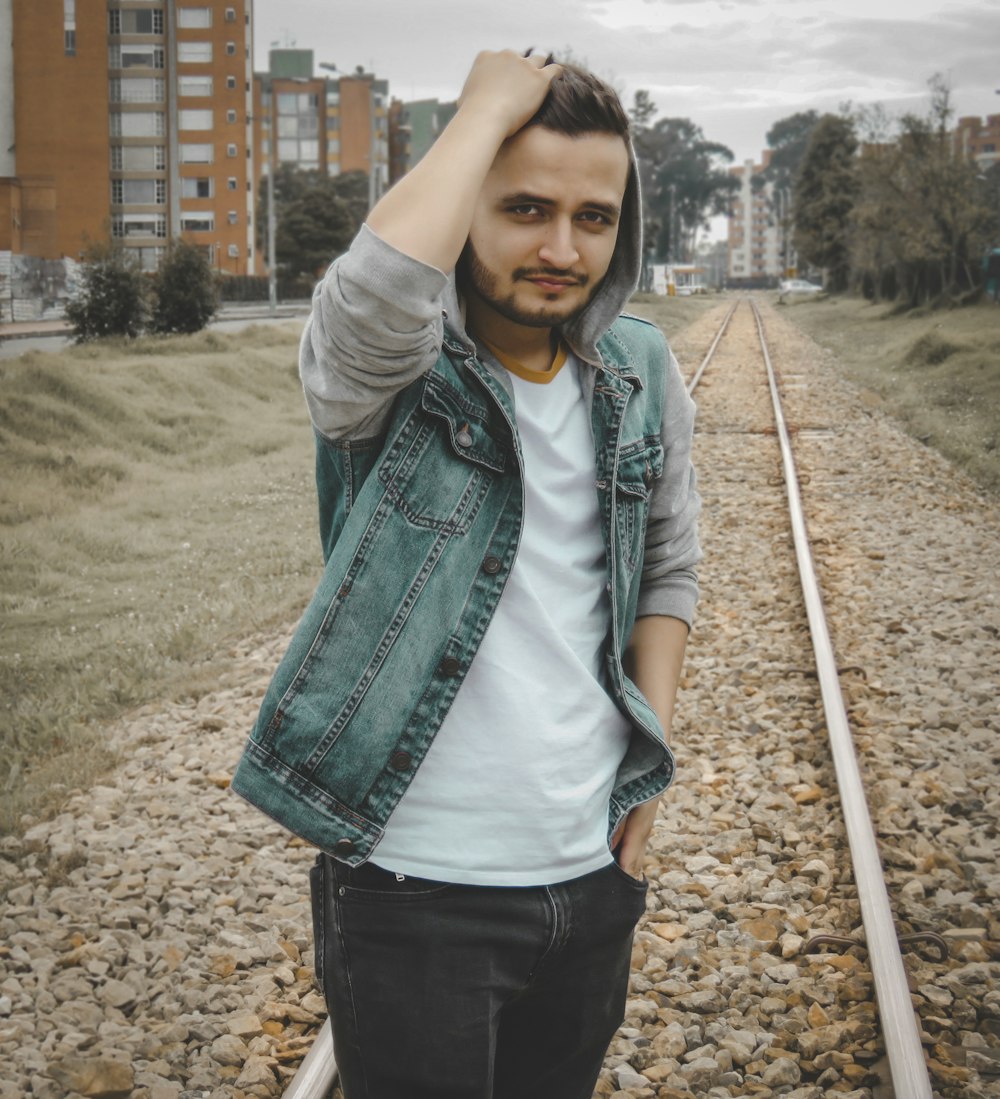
(111, 299)
(185, 289)
(317, 217)
(824, 197)
(787, 139)
(684, 181)
(924, 215)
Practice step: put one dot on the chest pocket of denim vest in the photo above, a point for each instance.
(439, 465)
(639, 465)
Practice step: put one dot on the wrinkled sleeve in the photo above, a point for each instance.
(669, 576)
(376, 326)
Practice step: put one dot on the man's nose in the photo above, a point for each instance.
(558, 248)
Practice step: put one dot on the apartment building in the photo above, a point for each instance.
(128, 118)
(979, 139)
(424, 120)
(757, 248)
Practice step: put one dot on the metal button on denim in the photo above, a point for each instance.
(463, 438)
(492, 564)
(343, 847)
(400, 761)
(449, 666)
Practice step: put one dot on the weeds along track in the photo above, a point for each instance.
(155, 940)
(749, 860)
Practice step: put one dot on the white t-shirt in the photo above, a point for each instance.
(515, 787)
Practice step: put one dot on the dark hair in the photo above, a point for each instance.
(581, 103)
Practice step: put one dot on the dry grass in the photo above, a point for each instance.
(673, 314)
(156, 499)
(937, 371)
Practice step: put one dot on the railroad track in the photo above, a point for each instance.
(789, 857)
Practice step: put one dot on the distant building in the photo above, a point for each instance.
(758, 250)
(979, 140)
(424, 120)
(128, 118)
(329, 124)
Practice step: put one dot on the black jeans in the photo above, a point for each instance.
(439, 991)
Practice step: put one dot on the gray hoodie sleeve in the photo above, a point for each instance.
(669, 578)
(376, 326)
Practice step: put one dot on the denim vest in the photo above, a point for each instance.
(420, 528)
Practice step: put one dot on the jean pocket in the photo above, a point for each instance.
(640, 885)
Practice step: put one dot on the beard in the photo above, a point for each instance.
(476, 278)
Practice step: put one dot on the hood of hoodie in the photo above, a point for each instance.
(618, 285)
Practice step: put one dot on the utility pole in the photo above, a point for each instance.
(272, 273)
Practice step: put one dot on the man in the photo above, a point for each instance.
(508, 512)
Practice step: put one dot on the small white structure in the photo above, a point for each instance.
(677, 278)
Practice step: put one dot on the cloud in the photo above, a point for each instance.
(732, 66)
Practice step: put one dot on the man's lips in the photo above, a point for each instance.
(552, 282)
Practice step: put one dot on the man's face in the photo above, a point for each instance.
(545, 225)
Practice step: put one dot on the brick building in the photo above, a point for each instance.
(329, 124)
(979, 139)
(128, 118)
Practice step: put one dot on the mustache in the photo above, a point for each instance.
(580, 279)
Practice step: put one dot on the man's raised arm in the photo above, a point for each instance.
(427, 214)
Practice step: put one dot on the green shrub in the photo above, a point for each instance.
(111, 299)
(186, 295)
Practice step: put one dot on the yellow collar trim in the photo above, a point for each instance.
(539, 377)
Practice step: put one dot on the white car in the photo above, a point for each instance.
(798, 286)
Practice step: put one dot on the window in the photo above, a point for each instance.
(138, 225)
(139, 192)
(137, 89)
(233, 218)
(197, 154)
(230, 116)
(231, 150)
(135, 21)
(230, 82)
(230, 15)
(230, 49)
(231, 183)
(194, 85)
(194, 53)
(138, 124)
(200, 187)
(149, 258)
(69, 27)
(234, 251)
(197, 223)
(195, 120)
(131, 56)
(138, 158)
(199, 18)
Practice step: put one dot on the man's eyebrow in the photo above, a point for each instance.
(523, 198)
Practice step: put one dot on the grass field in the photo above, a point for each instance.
(936, 371)
(157, 504)
(156, 500)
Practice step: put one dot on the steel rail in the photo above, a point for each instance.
(318, 1072)
(907, 1064)
(693, 384)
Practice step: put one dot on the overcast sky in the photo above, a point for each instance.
(732, 66)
